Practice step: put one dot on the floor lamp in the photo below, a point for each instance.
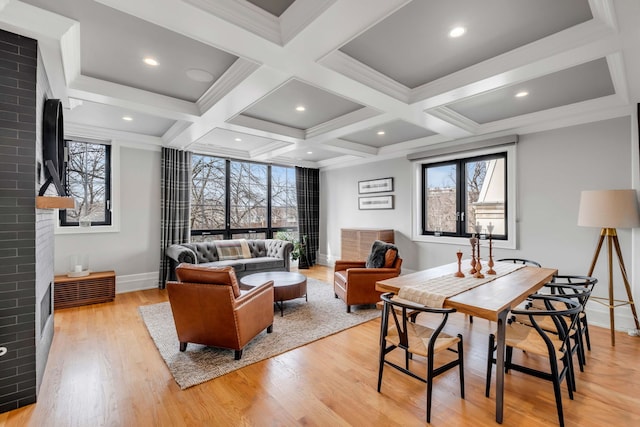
(609, 210)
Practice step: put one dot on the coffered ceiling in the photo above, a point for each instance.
(326, 83)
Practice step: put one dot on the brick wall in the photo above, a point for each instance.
(18, 63)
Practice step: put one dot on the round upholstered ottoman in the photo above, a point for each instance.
(286, 285)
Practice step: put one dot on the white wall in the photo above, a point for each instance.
(134, 251)
(552, 168)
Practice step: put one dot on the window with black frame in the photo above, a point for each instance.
(462, 194)
(88, 181)
(233, 199)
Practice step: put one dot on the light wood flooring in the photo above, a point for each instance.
(103, 369)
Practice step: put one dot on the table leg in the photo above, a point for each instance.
(280, 305)
(500, 346)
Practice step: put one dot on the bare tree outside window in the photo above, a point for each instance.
(207, 193)
(245, 190)
(284, 204)
(248, 194)
(88, 182)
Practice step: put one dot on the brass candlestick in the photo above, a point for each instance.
(459, 273)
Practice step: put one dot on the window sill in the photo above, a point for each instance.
(86, 230)
(463, 241)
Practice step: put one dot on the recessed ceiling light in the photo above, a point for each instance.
(457, 32)
(199, 75)
(300, 108)
(522, 93)
(309, 152)
(238, 140)
(380, 132)
(127, 118)
(150, 61)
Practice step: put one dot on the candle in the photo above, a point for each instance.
(78, 268)
(490, 227)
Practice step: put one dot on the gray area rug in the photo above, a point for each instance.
(303, 322)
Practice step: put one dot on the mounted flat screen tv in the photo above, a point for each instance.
(53, 147)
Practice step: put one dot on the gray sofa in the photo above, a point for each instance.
(266, 255)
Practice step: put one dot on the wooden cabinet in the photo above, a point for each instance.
(356, 242)
(76, 291)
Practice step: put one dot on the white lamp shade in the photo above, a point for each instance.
(609, 209)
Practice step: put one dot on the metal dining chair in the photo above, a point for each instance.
(579, 287)
(520, 261)
(415, 339)
(533, 339)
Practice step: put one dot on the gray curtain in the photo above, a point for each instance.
(174, 201)
(308, 194)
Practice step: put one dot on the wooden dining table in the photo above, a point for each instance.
(491, 301)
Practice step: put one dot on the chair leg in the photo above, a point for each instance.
(586, 333)
(429, 385)
(492, 339)
(507, 359)
(183, 346)
(556, 390)
(238, 354)
(381, 364)
(461, 365)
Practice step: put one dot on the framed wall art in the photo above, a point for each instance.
(375, 202)
(381, 185)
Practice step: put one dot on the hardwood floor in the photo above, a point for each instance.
(104, 369)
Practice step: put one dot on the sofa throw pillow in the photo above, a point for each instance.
(233, 249)
(390, 257)
(378, 252)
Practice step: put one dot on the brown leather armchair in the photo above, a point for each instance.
(208, 308)
(355, 284)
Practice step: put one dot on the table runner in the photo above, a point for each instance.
(433, 292)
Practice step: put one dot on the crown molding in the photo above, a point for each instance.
(577, 113)
(235, 75)
(351, 148)
(104, 92)
(340, 122)
(454, 118)
(342, 63)
(267, 148)
(299, 15)
(269, 127)
(244, 15)
(76, 130)
(176, 129)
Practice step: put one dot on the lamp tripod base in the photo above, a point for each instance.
(612, 242)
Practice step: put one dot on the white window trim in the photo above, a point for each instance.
(416, 200)
(115, 201)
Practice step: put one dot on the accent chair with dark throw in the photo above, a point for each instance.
(209, 308)
(354, 282)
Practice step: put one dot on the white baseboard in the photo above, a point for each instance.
(598, 315)
(136, 282)
(324, 259)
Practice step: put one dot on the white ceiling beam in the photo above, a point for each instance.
(103, 92)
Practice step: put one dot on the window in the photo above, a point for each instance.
(237, 199)
(88, 181)
(463, 194)
(459, 192)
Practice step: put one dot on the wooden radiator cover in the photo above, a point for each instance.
(76, 291)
